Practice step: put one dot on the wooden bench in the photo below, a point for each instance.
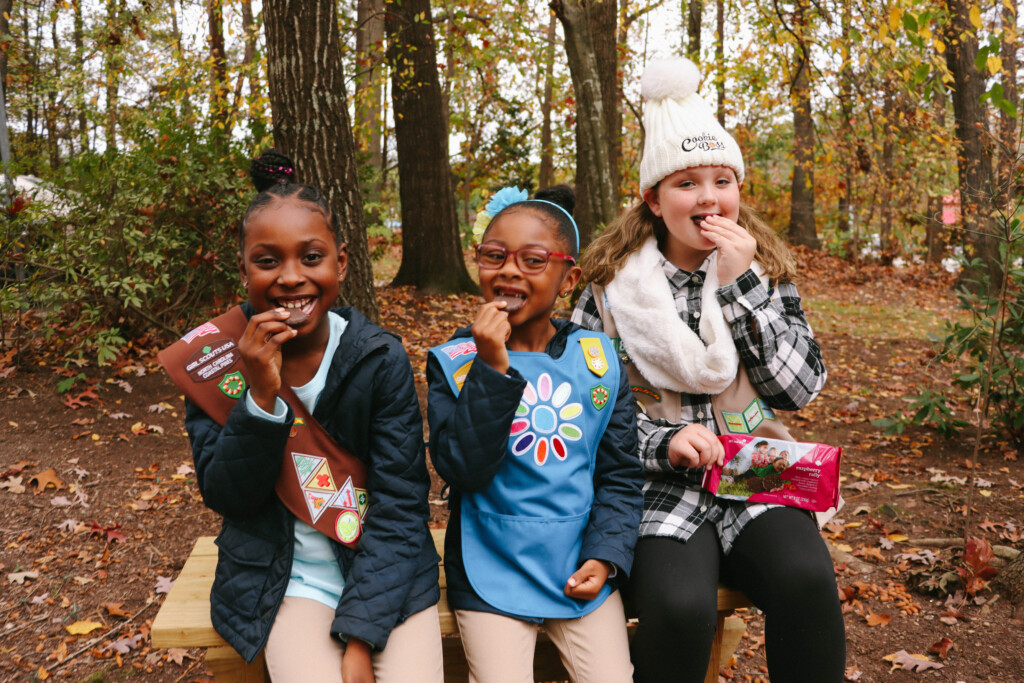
(184, 621)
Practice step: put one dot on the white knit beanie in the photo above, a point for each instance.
(680, 128)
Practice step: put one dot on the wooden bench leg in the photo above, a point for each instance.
(715, 662)
(228, 666)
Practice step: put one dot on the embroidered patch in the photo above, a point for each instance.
(543, 421)
(460, 375)
(599, 396)
(593, 353)
(453, 351)
(201, 331)
(768, 413)
(620, 349)
(212, 361)
(232, 385)
(347, 526)
(646, 392)
(299, 422)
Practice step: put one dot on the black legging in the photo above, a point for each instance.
(779, 561)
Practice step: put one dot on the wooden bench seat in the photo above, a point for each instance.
(184, 621)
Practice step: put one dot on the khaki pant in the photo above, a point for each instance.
(301, 648)
(594, 648)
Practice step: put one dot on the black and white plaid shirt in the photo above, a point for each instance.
(784, 364)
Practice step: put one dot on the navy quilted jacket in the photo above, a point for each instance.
(369, 405)
(468, 441)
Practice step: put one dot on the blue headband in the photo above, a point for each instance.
(569, 215)
(505, 198)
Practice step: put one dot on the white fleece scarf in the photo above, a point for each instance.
(665, 350)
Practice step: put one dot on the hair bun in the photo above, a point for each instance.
(269, 168)
(562, 195)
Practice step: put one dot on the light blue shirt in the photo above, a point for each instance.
(315, 573)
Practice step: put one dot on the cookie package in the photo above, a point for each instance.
(762, 470)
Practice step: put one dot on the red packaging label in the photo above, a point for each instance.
(793, 473)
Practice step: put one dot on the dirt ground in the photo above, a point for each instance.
(99, 507)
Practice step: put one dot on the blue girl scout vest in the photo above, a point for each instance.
(522, 536)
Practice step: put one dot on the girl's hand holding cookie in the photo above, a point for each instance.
(491, 330)
(587, 581)
(695, 446)
(736, 247)
(260, 348)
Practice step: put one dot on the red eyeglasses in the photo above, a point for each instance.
(530, 260)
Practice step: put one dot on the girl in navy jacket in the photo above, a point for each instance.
(532, 425)
(324, 610)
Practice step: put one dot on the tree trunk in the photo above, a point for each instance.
(694, 15)
(6, 7)
(597, 194)
(846, 126)
(220, 128)
(720, 59)
(936, 230)
(974, 162)
(77, 37)
(369, 55)
(50, 114)
(112, 63)
(802, 227)
(311, 125)
(251, 70)
(1009, 126)
(547, 159)
(431, 249)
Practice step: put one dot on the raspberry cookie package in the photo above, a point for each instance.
(763, 470)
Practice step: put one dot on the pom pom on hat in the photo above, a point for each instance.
(681, 130)
(676, 77)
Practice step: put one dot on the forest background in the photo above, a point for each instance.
(130, 123)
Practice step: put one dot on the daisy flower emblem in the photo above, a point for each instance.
(544, 421)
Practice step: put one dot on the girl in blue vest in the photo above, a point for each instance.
(533, 427)
(320, 610)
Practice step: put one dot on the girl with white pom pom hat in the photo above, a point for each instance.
(697, 294)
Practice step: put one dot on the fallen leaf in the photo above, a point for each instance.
(115, 609)
(60, 501)
(20, 577)
(13, 485)
(163, 584)
(124, 645)
(178, 655)
(905, 660)
(46, 479)
(80, 628)
(877, 619)
(942, 648)
(68, 525)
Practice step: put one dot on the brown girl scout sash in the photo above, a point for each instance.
(320, 482)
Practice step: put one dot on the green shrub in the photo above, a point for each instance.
(143, 246)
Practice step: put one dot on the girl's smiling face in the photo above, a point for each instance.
(529, 296)
(683, 199)
(290, 259)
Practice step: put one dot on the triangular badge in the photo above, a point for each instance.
(346, 497)
(322, 480)
(305, 465)
(317, 502)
